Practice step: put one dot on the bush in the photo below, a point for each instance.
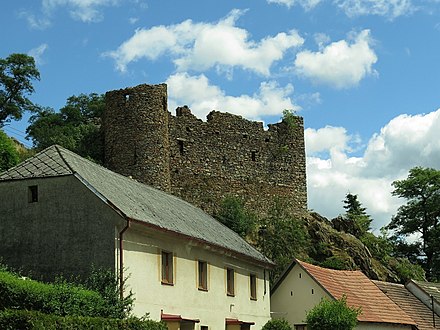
(332, 315)
(279, 324)
(33, 320)
(59, 299)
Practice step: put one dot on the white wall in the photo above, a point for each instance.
(142, 250)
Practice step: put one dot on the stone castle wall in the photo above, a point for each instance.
(203, 162)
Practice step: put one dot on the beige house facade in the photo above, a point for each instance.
(61, 214)
(302, 286)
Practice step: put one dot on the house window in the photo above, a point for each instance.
(204, 327)
(33, 194)
(167, 267)
(230, 281)
(253, 286)
(203, 275)
(300, 327)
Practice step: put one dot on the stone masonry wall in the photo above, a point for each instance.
(203, 162)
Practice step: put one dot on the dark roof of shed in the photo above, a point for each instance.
(135, 200)
(431, 288)
(412, 306)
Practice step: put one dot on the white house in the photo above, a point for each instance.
(61, 213)
(302, 286)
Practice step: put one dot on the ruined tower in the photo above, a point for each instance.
(203, 162)
(136, 136)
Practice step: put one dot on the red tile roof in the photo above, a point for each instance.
(360, 292)
(410, 304)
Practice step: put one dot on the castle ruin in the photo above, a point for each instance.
(203, 162)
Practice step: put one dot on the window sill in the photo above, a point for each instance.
(254, 299)
(230, 295)
(203, 289)
(167, 283)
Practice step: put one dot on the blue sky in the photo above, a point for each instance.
(364, 74)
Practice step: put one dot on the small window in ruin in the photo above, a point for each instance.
(266, 140)
(164, 104)
(253, 155)
(188, 129)
(127, 97)
(245, 135)
(181, 147)
(33, 194)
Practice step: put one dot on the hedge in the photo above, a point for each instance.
(34, 320)
(58, 299)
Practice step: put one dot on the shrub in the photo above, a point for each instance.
(279, 324)
(59, 299)
(332, 315)
(33, 320)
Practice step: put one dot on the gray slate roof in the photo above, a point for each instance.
(135, 200)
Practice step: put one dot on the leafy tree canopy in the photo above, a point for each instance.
(420, 215)
(76, 126)
(332, 315)
(9, 155)
(17, 72)
(234, 215)
(277, 324)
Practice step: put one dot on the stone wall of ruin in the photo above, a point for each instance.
(203, 162)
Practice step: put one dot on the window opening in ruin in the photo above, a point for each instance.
(127, 97)
(164, 104)
(33, 194)
(245, 135)
(266, 140)
(253, 155)
(181, 147)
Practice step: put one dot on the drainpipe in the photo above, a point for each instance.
(121, 259)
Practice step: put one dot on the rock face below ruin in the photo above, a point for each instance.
(337, 249)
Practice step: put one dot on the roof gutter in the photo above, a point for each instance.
(121, 258)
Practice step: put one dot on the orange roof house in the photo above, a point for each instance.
(302, 286)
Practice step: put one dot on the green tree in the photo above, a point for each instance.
(332, 315)
(420, 215)
(355, 213)
(281, 237)
(277, 324)
(9, 155)
(17, 72)
(233, 214)
(76, 126)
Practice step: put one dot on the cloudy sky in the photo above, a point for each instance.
(364, 74)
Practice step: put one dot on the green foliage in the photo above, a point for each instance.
(17, 72)
(58, 299)
(9, 156)
(332, 315)
(281, 237)
(76, 126)
(355, 213)
(278, 324)
(406, 270)
(106, 283)
(337, 262)
(420, 215)
(34, 320)
(379, 246)
(233, 214)
(290, 118)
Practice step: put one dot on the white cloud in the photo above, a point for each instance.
(201, 46)
(387, 8)
(83, 10)
(37, 53)
(405, 142)
(306, 4)
(202, 97)
(340, 64)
